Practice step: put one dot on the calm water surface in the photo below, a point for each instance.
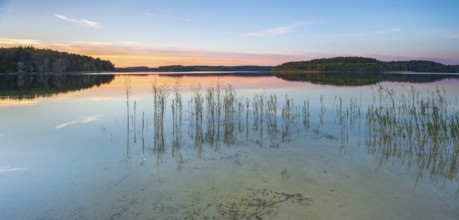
(266, 149)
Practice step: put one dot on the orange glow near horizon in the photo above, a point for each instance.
(156, 61)
(125, 55)
(189, 58)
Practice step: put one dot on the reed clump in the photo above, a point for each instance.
(417, 130)
(160, 95)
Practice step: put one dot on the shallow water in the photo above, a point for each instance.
(94, 154)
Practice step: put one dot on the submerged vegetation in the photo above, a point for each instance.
(419, 131)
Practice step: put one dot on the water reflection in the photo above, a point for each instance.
(419, 131)
(30, 86)
(360, 78)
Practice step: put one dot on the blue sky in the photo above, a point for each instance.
(212, 32)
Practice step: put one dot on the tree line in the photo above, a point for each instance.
(32, 60)
(362, 64)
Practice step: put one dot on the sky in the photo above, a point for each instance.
(237, 32)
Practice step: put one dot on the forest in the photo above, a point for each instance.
(362, 64)
(23, 60)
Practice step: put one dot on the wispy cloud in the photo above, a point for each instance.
(387, 31)
(106, 43)
(82, 22)
(8, 169)
(82, 120)
(280, 30)
(166, 16)
(93, 43)
(5, 41)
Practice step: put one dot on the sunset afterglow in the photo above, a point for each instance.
(157, 33)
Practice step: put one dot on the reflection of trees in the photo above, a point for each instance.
(30, 86)
(359, 78)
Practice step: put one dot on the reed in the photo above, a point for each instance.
(229, 101)
(306, 115)
(177, 110)
(271, 115)
(197, 103)
(417, 130)
(288, 117)
(405, 126)
(160, 95)
(211, 104)
(128, 92)
(323, 109)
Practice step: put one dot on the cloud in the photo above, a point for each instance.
(8, 169)
(387, 31)
(280, 30)
(82, 120)
(93, 43)
(82, 22)
(89, 23)
(167, 17)
(5, 41)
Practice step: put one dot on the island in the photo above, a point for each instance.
(363, 64)
(359, 71)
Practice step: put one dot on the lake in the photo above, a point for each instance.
(228, 146)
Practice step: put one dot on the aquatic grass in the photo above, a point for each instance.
(197, 103)
(403, 126)
(177, 110)
(211, 104)
(134, 119)
(323, 109)
(247, 110)
(128, 93)
(229, 101)
(287, 118)
(271, 115)
(416, 130)
(160, 95)
(143, 129)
